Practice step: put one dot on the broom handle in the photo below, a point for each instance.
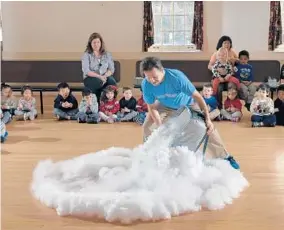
(204, 139)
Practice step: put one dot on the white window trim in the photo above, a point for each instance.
(173, 48)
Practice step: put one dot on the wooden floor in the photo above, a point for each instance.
(260, 152)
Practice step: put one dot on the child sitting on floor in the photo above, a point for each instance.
(211, 102)
(88, 108)
(65, 104)
(109, 106)
(279, 106)
(232, 107)
(142, 109)
(8, 103)
(4, 133)
(262, 108)
(127, 106)
(223, 71)
(27, 105)
(244, 72)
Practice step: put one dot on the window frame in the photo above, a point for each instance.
(156, 47)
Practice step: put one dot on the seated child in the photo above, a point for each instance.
(232, 107)
(27, 105)
(262, 108)
(279, 106)
(244, 72)
(222, 71)
(109, 106)
(4, 133)
(211, 102)
(65, 104)
(8, 103)
(88, 108)
(142, 109)
(127, 106)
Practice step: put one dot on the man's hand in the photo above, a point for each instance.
(210, 126)
(202, 105)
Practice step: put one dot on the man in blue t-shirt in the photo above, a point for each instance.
(166, 90)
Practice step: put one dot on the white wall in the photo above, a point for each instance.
(59, 30)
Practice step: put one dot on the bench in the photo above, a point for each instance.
(198, 73)
(44, 76)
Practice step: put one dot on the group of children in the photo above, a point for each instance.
(264, 111)
(66, 107)
(108, 108)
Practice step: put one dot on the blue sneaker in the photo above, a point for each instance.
(233, 162)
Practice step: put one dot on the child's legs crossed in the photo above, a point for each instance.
(214, 113)
(227, 115)
(269, 120)
(7, 117)
(82, 116)
(103, 116)
(72, 114)
(60, 113)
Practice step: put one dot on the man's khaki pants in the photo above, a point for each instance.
(215, 144)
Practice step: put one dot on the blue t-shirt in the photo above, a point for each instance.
(212, 102)
(244, 72)
(174, 92)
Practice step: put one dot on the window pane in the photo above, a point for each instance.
(157, 37)
(189, 7)
(179, 23)
(158, 23)
(167, 7)
(188, 35)
(188, 22)
(167, 38)
(167, 23)
(156, 6)
(179, 38)
(179, 8)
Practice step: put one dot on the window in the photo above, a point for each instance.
(173, 23)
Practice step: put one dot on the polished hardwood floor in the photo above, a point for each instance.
(260, 152)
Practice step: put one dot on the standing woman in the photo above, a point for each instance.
(97, 65)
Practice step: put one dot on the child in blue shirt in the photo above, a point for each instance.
(244, 72)
(211, 102)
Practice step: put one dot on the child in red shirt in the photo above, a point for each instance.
(233, 107)
(109, 105)
(142, 109)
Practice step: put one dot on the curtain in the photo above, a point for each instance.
(148, 26)
(275, 26)
(197, 30)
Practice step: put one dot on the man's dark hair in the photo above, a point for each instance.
(86, 92)
(149, 63)
(63, 85)
(244, 53)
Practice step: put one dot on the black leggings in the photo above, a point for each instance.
(96, 85)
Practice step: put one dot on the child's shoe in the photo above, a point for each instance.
(256, 124)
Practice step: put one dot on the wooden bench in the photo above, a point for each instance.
(198, 73)
(44, 76)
